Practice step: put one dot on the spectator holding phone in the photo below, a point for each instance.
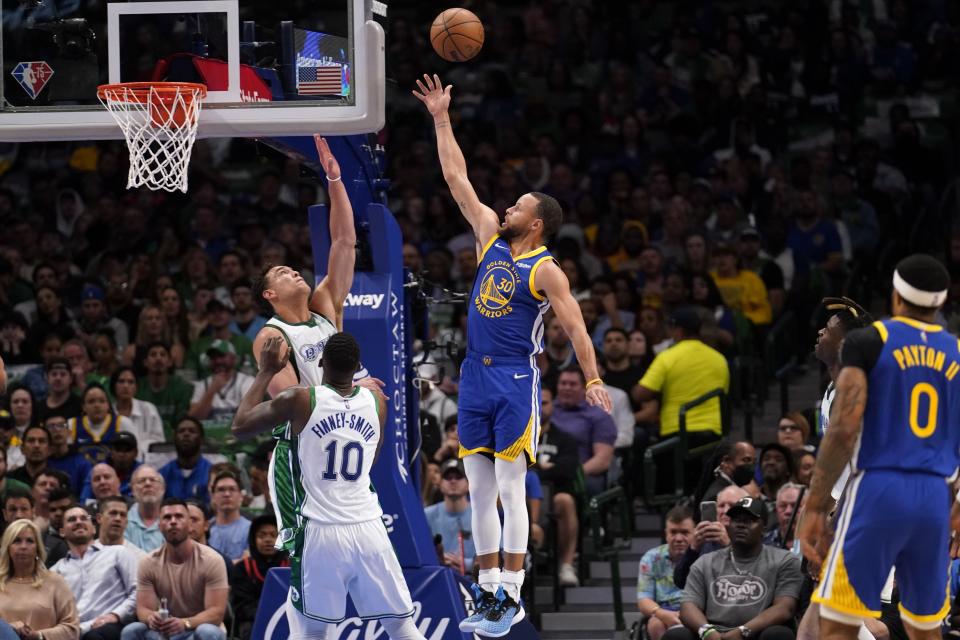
(658, 598)
(709, 534)
(748, 591)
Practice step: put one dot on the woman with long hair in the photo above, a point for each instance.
(103, 348)
(152, 327)
(35, 604)
(145, 421)
(97, 424)
(175, 312)
(22, 405)
(52, 317)
(717, 324)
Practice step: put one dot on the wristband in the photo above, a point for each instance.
(337, 179)
(705, 630)
(595, 381)
(957, 497)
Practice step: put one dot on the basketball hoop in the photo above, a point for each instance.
(159, 121)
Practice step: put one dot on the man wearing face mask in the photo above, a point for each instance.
(733, 465)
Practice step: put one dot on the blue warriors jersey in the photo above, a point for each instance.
(913, 399)
(91, 441)
(505, 316)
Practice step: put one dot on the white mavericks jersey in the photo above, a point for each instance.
(336, 450)
(825, 405)
(306, 341)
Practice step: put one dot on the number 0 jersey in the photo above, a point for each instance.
(335, 451)
(505, 315)
(913, 396)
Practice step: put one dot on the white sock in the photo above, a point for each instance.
(512, 582)
(490, 579)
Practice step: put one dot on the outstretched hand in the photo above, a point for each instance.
(433, 94)
(273, 355)
(329, 162)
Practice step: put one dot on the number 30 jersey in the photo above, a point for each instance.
(336, 450)
(912, 416)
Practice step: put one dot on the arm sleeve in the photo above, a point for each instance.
(861, 349)
(145, 581)
(655, 375)
(682, 570)
(646, 586)
(65, 607)
(127, 570)
(789, 578)
(604, 428)
(215, 572)
(695, 591)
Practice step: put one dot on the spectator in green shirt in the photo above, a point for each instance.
(169, 392)
(219, 317)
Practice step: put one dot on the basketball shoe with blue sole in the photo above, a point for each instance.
(483, 601)
(501, 617)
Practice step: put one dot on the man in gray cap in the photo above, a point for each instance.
(450, 519)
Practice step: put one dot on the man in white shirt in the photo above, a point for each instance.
(112, 513)
(216, 397)
(103, 578)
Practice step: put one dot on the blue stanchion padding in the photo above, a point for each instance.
(440, 601)
(374, 312)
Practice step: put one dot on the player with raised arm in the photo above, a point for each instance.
(305, 318)
(499, 406)
(894, 420)
(342, 546)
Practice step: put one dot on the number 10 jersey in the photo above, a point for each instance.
(336, 450)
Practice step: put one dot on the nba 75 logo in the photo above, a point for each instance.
(311, 352)
(32, 76)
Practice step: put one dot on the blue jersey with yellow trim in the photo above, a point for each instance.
(913, 400)
(505, 316)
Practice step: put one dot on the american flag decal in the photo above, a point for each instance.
(319, 80)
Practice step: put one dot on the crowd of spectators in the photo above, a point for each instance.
(722, 167)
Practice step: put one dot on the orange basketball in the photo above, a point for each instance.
(456, 35)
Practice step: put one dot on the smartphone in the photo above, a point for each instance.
(708, 510)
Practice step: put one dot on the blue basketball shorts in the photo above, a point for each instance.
(498, 413)
(890, 519)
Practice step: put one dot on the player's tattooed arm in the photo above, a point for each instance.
(837, 448)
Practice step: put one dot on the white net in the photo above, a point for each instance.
(159, 121)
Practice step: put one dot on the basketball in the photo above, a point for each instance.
(457, 35)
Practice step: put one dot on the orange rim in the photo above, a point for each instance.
(138, 92)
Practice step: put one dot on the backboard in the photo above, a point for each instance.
(286, 67)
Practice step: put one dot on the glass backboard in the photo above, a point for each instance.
(285, 67)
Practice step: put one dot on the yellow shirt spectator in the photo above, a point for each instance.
(745, 292)
(682, 373)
